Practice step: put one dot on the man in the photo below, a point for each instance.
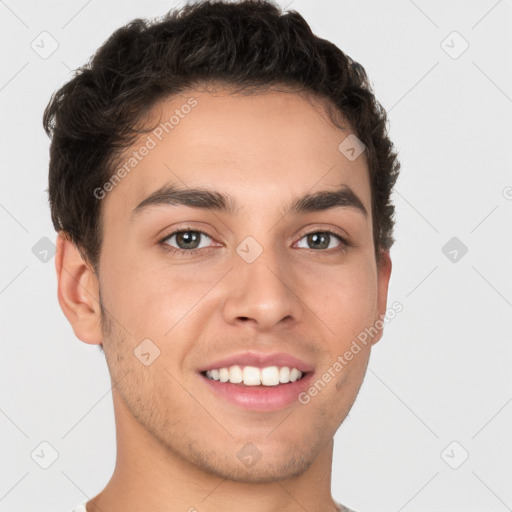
(220, 181)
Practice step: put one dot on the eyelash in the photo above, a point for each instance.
(345, 244)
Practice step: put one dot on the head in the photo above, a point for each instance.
(233, 127)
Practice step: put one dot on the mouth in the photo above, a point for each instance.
(262, 390)
(255, 376)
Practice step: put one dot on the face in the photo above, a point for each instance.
(239, 277)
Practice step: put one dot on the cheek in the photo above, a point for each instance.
(158, 301)
(345, 299)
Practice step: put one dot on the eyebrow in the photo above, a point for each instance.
(206, 199)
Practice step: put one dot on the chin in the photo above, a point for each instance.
(253, 466)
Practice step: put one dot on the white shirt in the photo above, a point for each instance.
(81, 508)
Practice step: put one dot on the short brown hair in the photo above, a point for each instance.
(251, 43)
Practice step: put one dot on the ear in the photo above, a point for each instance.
(383, 275)
(78, 291)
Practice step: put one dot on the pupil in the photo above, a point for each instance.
(319, 240)
(187, 238)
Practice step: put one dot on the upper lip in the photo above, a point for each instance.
(260, 360)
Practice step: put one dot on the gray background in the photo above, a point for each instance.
(438, 388)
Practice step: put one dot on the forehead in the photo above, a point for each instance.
(270, 146)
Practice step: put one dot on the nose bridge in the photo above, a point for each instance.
(260, 288)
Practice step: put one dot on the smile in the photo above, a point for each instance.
(253, 376)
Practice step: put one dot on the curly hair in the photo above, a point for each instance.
(248, 44)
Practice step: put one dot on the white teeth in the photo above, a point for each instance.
(270, 376)
(295, 375)
(235, 374)
(284, 375)
(253, 376)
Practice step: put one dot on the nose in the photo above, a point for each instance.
(261, 293)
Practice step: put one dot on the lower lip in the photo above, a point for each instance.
(260, 398)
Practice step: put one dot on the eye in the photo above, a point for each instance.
(187, 240)
(323, 240)
(190, 241)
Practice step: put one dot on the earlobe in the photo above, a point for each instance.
(78, 291)
(383, 276)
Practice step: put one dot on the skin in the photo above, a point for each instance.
(177, 443)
